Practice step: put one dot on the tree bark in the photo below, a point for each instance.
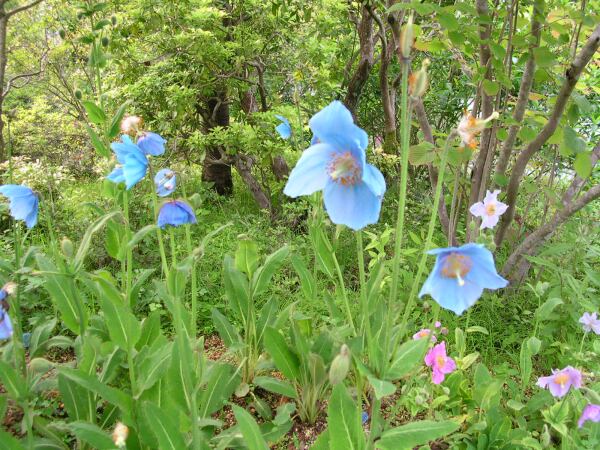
(216, 169)
(571, 77)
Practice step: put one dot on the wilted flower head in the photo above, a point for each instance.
(490, 209)
(24, 203)
(590, 322)
(284, 129)
(9, 288)
(424, 333)
(590, 412)
(175, 213)
(440, 363)
(407, 37)
(151, 143)
(352, 189)
(120, 434)
(459, 276)
(419, 80)
(164, 181)
(131, 125)
(133, 163)
(469, 127)
(561, 381)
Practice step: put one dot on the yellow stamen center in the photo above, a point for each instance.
(456, 265)
(440, 360)
(561, 379)
(490, 209)
(344, 169)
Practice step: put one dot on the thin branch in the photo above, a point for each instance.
(571, 77)
(10, 84)
(23, 8)
(578, 182)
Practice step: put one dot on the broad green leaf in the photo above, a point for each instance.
(525, 363)
(477, 329)
(324, 252)
(415, 434)
(13, 382)
(583, 164)
(237, 290)
(164, 427)
(544, 57)
(115, 123)
(308, 285)
(285, 360)
(491, 87)
(92, 435)
(95, 114)
(87, 238)
(9, 442)
(222, 382)
(382, 388)
(262, 277)
(447, 20)
(422, 153)
(252, 436)
(246, 256)
(39, 338)
(140, 235)
(545, 309)
(277, 386)
(97, 143)
(408, 357)
(226, 330)
(344, 422)
(154, 366)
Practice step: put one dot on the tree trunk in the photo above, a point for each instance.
(216, 169)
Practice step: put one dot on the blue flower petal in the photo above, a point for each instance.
(151, 143)
(483, 271)
(124, 148)
(6, 328)
(334, 125)
(117, 176)
(175, 213)
(134, 169)
(449, 294)
(165, 182)
(374, 179)
(310, 174)
(24, 203)
(284, 130)
(355, 206)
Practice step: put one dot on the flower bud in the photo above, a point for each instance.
(340, 366)
(113, 20)
(78, 94)
(546, 438)
(419, 80)
(10, 287)
(120, 434)
(62, 34)
(195, 200)
(131, 125)
(407, 37)
(105, 41)
(66, 245)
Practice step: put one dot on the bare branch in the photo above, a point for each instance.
(23, 8)
(571, 77)
(10, 83)
(578, 182)
(524, 90)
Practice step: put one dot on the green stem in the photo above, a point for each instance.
(159, 238)
(127, 263)
(423, 261)
(365, 323)
(582, 341)
(194, 287)
(404, 141)
(173, 247)
(131, 372)
(344, 293)
(375, 421)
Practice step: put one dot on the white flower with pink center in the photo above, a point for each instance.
(490, 210)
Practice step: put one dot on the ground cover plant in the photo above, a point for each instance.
(286, 224)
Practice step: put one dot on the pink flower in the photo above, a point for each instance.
(440, 363)
(590, 322)
(424, 333)
(438, 324)
(561, 381)
(489, 210)
(590, 412)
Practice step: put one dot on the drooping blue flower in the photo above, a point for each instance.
(284, 129)
(133, 163)
(165, 182)
(6, 329)
(352, 189)
(364, 417)
(24, 203)
(459, 276)
(151, 143)
(175, 213)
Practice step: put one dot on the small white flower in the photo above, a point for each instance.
(590, 322)
(489, 210)
(120, 434)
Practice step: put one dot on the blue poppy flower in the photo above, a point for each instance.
(133, 163)
(284, 129)
(364, 417)
(151, 143)
(352, 189)
(165, 182)
(24, 203)
(175, 213)
(6, 328)
(459, 276)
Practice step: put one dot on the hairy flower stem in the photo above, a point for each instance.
(404, 140)
(161, 245)
(194, 287)
(127, 262)
(423, 261)
(365, 324)
(344, 293)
